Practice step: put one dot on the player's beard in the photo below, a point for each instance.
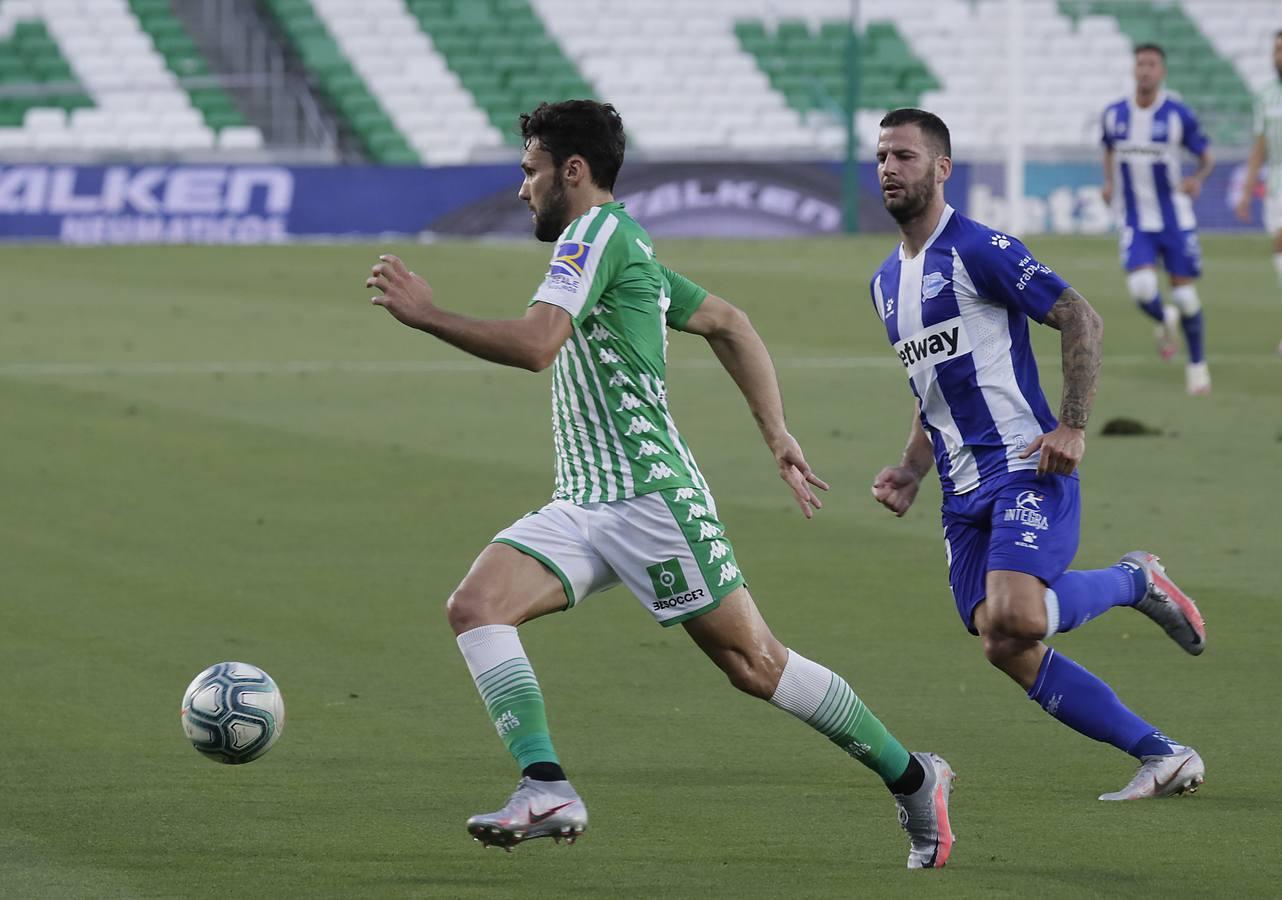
(551, 215)
(913, 200)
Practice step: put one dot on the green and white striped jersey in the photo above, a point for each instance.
(613, 434)
(1268, 122)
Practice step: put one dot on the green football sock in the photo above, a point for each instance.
(511, 693)
(823, 700)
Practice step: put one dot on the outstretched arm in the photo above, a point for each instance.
(743, 354)
(1081, 335)
(528, 343)
(895, 487)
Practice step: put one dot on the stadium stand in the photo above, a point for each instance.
(441, 81)
(502, 55)
(313, 39)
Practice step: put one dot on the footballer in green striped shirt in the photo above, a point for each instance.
(1267, 148)
(630, 505)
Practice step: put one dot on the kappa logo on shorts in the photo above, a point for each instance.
(667, 578)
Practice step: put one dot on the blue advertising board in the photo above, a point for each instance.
(126, 204)
(190, 204)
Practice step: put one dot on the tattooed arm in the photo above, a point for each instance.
(1081, 332)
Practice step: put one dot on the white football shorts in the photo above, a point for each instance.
(667, 547)
(1273, 212)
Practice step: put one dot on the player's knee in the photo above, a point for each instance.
(1013, 618)
(1142, 283)
(998, 648)
(755, 675)
(1186, 300)
(469, 607)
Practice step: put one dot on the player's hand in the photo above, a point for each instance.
(895, 488)
(1191, 186)
(406, 296)
(1107, 193)
(1062, 450)
(1243, 208)
(798, 475)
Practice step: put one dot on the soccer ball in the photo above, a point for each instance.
(233, 712)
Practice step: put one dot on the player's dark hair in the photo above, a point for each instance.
(579, 128)
(1150, 47)
(932, 127)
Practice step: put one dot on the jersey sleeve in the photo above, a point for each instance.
(1004, 271)
(686, 297)
(580, 272)
(1195, 139)
(1106, 133)
(1257, 111)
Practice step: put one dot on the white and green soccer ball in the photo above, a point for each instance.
(233, 712)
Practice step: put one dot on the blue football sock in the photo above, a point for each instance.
(1155, 744)
(1087, 705)
(1192, 327)
(1078, 596)
(1153, 308)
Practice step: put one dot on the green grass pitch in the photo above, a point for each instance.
(216, 453)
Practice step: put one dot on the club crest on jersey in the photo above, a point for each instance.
(932, 284)
(934, 345)
(570, 259)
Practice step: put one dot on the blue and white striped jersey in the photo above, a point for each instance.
(957, 314)
(1147, 144)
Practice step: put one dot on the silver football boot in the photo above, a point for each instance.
(1164, 776)
(536, 809)
(1169, 606)
(924, 815)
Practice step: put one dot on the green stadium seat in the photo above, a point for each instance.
(809, 67)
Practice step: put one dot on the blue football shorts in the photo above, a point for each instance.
(1020, 523)
(1180, 251)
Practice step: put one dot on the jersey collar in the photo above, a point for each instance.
(944, 218)
(1153, 107)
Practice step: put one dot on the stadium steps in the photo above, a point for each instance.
(338, 83)
(399, 65)
(807, 65)
(1204, 79)
(185, 60)
(34, 75)
(503, 55)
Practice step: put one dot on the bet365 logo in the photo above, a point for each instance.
(667, 578)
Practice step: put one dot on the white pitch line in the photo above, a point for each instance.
(437, 367)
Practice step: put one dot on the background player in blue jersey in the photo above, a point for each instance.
(955, 298)
(1143, 138)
